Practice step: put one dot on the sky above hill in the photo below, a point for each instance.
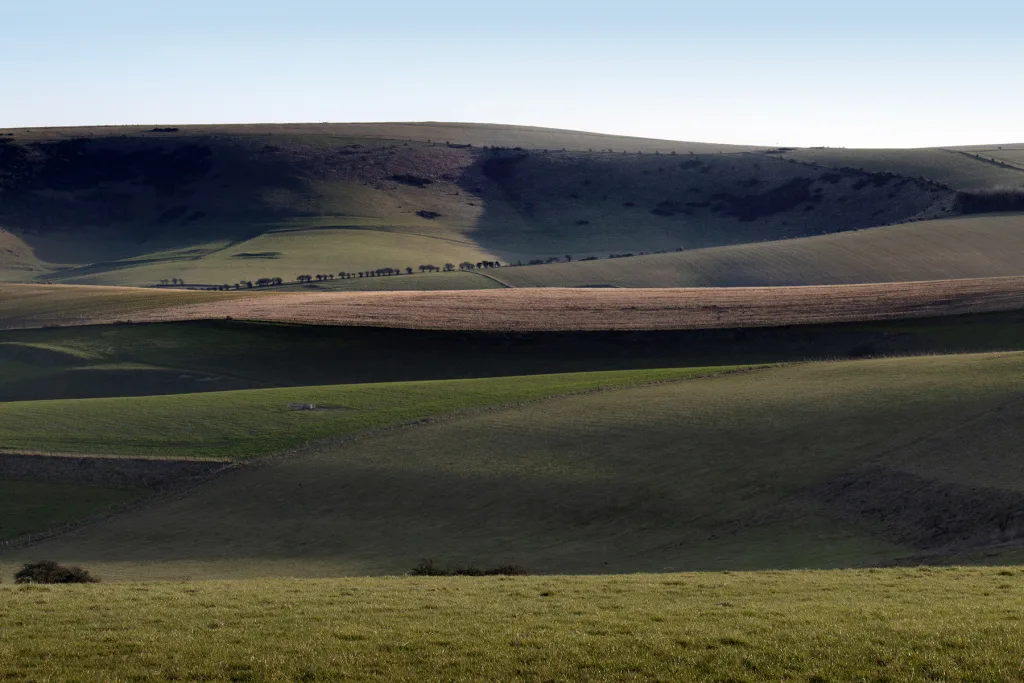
(870, 73)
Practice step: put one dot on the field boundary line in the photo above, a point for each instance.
(491, 277)
(185, 489)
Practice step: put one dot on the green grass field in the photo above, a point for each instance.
(899, 625)
(416, 281)
(280, 201)
(312, 251)
(240, 536)
(810, 465)
(31, 506)
(205, 356)
(46, 306)
(955, 248)
(248, 424)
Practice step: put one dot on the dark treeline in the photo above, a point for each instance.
(990, 201)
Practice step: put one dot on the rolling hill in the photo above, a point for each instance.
(516, 310)
(217, 205)
(969, 168)
(207, 356)
(964, 247)
(768, 468)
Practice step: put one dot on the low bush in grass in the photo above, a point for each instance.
(47, 571)
(426, 567)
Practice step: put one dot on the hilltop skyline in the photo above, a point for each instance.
(879, 74)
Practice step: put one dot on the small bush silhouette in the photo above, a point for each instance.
(503, 570)
(426, 567)
(51, 572)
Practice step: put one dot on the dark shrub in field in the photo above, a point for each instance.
(426, 567)
(987, 201)
(51, 572)
(504, 570)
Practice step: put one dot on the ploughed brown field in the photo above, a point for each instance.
(541, 309)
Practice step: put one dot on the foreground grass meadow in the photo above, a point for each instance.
(922, 624)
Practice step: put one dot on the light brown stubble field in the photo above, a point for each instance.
(513, 310)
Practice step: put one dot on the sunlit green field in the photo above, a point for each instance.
(976, 246)
(290, 253)
(247, 424)
(813, 465)
(897, 625)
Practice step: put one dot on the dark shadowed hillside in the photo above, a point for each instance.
(213, 205)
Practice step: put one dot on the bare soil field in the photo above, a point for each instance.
(559, 309)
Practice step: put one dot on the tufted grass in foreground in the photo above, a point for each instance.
(868, 625)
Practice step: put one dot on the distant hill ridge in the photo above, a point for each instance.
(137, 205)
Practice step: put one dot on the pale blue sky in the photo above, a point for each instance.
(831, 72)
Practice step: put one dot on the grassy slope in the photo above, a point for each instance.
(952, 248)
(949, 167)
(897, 625)
(30, 506)
(247, 424)
(320, 198)
(478, 134)
(310, 251)
(41, 305)
(416, 281)
(737, 471)
(169, 358)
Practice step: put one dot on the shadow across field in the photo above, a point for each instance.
(768, 469)
(167, 358)
(562, 204)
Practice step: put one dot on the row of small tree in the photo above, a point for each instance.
(408, 270)
(384, 272)
(248, 284)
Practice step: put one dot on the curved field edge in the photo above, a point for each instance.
(892, 624)
(246, 424)
(203, 356)
(754, 470)
(971, 247)
(528, 309)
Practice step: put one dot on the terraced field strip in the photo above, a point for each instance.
(617, 309)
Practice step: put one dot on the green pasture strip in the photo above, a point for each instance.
(811, 465)
(228, 355)
(246, 424)
(905, 625)
(29, 506)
